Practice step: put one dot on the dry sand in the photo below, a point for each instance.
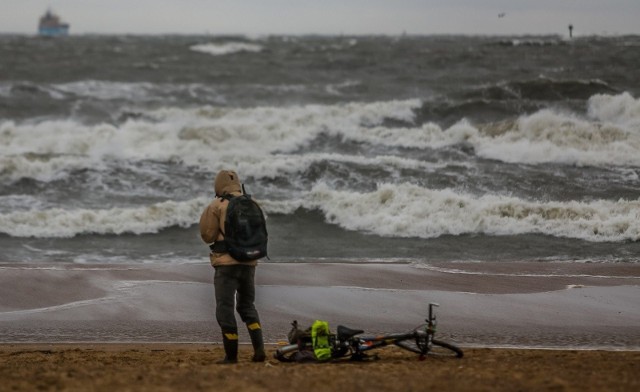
(191, 368)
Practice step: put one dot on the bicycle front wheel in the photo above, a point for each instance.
(444, 349)
(415, 345)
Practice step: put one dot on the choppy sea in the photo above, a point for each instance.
(385, 149)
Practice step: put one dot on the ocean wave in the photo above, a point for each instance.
(205, 137)
(122, 94)
(109, 90)
(62, 223)
(608, 135)
(531, 42)
(611, 136)
(408, 210)
(10, 203)
(29, 89)
(542, 89)
(392, 210)
(101, 90)
(220, 49)
(287, 164)
(620, 109)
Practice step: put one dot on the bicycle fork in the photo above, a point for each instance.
(431, 321)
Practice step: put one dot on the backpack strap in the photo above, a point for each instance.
(221, 246)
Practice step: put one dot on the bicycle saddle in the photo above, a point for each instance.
(346, 333)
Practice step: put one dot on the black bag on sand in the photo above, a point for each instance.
(301, 337)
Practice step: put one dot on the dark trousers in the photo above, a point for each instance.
(235, 287)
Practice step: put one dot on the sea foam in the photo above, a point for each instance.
(407, 210)
(550, 137)
(392, 210)
(202, 137)
(58, 222)
(220, 49)
(607, 135)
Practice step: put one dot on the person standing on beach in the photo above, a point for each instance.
(233, 278)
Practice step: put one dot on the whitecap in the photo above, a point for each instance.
(220, 49)
(60, 223)
(202, 137)
(407, 210)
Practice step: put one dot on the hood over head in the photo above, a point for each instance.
(227, 182)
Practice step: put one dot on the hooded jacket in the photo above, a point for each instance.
(213, 218)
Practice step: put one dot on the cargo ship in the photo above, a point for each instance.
(51, 26)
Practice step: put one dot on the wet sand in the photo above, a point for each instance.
(564, 305)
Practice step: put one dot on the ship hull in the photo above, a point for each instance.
(54, 31)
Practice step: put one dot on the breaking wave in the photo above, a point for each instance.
(608, 134)
(220, 49)
(60, 223)
(411, 211)
(203, 137)
(403, 210)
(541, 88)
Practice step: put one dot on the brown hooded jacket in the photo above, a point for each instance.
(213, 218)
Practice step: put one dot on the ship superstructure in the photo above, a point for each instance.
(51, 26)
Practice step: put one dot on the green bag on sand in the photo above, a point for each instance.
(320, 340)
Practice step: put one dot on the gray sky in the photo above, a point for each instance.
(256, 17)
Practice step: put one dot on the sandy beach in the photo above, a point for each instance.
(166, 367)
(524, 326)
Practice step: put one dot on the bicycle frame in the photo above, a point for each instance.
(423, 336)
(349, 342)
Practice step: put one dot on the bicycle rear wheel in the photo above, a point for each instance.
(287, 353)
(444, 349)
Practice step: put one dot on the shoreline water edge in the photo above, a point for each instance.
(549, 305)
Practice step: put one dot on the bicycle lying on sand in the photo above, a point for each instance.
(349, 343)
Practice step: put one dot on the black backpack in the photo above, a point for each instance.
(245, 228)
